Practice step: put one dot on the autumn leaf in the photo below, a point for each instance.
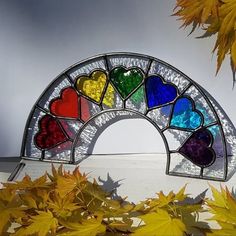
(196, 11)
(62, 207)
(160, 223)
(226, 230)
(28, 183)
(70, 181)
(124, 225)
(41, 224)
(163, 200)
(223, 210)
(55, 173)
(215, 17)
(90, 227)
(67, 203)
(9, 208)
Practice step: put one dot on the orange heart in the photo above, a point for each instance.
(66, 106)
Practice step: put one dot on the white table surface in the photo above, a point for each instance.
(141, 176)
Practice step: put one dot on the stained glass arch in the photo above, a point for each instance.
(85, 99)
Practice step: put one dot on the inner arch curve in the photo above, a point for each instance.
(89, 134)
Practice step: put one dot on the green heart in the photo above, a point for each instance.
(125, 80)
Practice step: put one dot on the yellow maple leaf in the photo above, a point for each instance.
(70, 181)
(233, 52)
(41, 224)
(62, 207)
(196, 11)
(10, 207)
(163, 200)
(215, 17)
(90, 227)
(123, 225)
(226, 230)
(28, 183)
(223, 208)
(55, 173)
(160, 223)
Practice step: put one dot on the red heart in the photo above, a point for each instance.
(50, 133)
(67, 105)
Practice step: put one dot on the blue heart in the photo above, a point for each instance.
(158, 92)
(184, 115)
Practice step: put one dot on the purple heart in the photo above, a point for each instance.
(198, 148)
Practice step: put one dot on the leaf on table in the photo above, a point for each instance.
(163, 200)
(28, 183)
(69, 182)
(40, 224)
(90, 227)
(160, 223)
(62, 207)
(124, 225)
(226, 230)
(55, 173)
(8, 211)
(223, 208)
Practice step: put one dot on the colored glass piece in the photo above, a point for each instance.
(184, 115)
(109, 96)
(158, 92)
(161, 115)
(50, 133)
(137, 101)
(138, 96)
(215, 130)
(71, 127)
(126, 80)
(198, 148)
(92, 86)
(67, 105)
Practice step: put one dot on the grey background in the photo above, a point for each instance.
(41, 38)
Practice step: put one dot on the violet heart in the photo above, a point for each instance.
(198, 148)
(158, 92)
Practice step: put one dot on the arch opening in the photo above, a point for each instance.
(129, 136)
(119, 132)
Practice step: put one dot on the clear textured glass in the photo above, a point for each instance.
(181, 165)
(87, 68)
(169, 74)
(176, 138)
(30, 149)
(54, 91)
(128, 62)
(59, 153)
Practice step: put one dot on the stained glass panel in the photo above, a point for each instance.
(91, 95)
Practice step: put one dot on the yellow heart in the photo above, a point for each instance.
(93, 86)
